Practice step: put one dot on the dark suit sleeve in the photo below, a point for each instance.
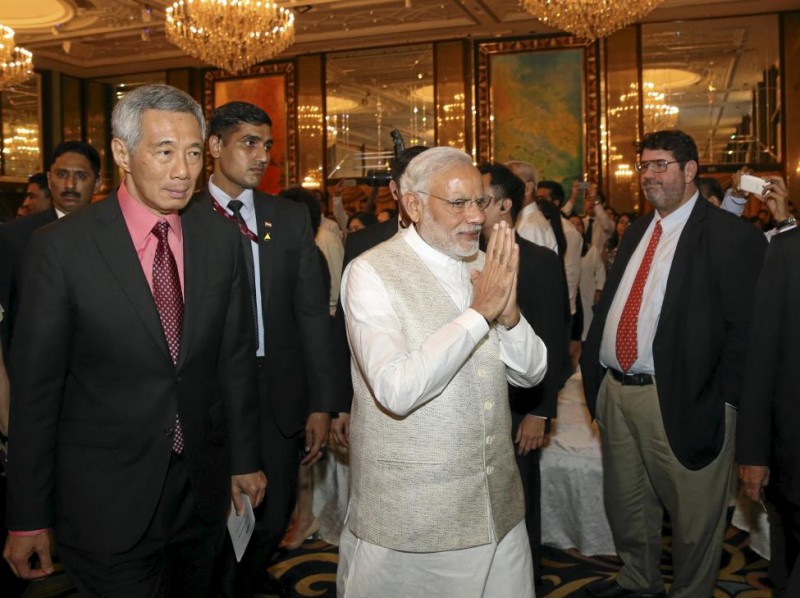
(6, 274)
(39, 366)
(770, 314)
(542, 298)
(313, 321)
(236, 370)
(737, 279)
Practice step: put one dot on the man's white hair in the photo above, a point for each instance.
(422, 169)
(525, 171)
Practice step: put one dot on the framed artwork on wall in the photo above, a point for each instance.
(271, 87)
(538, 102)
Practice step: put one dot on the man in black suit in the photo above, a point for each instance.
(543, 300)
(73, 177)
(295, 362)
(133, 374)
(662, 373)
(767, 442)
(37, 196)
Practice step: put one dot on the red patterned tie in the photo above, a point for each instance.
(627, 333)
(169, 303)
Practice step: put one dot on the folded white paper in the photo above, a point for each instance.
(240, 527)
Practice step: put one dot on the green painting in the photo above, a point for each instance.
(537, 111)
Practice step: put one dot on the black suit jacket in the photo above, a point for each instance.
(769, 416)
(544, 301)
(701, 338)
(95, 389)
(356, 243)
(297, 328)
(14, 239)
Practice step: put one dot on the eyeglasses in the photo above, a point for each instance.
(657, 166)
(460, 205)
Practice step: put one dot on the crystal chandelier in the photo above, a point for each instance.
(230, 34)
(658, 113)
(15, 63)
(589, 19)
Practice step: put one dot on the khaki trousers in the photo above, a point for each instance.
(642, 477)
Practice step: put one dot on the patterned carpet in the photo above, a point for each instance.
(310, 571)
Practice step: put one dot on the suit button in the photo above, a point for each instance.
(489, 439)
(488, 405)
(180, 378)
(167, 432)
(489, 470)
(481, 373)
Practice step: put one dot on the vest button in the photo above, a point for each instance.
(489, 470)
(488, 405)
(489, 439)
(481, 373)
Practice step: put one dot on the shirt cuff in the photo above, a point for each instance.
(33, 532)
(474, 323)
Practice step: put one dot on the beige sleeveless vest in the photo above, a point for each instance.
(443, 476)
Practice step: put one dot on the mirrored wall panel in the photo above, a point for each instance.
(718, 81)
(370, 93)
(21, 134)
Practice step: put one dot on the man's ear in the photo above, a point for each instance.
(215, 146)
(505, 206)
(690, 170)
(412, 204)
(121, 155)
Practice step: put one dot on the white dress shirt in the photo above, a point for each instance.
(572, 261)
(653, 294)
(402, 380)
(533, 226)
(249, 214)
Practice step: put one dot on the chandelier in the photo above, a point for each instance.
(230, 34)
(589, 19)
(15, 63)
(658, 113)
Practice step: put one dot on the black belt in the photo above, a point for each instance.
(631, 379)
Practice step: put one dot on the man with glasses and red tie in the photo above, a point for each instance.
(662, 373)
(436, 505)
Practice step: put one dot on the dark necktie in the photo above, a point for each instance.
(169, 303)
(627, 346)
(236, 207)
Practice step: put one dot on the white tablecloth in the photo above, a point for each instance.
(573, 512)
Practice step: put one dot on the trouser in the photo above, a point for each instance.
(642, 477)
(530, 474)
(280, 457)
(175, 558)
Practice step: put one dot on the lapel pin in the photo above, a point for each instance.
(268, 226)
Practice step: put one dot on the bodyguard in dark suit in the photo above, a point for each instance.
(133, 374)
(662, 373)
(73, 177)
(295, 372)
(767, 442)
(543, 300)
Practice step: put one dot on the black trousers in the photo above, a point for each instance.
(280, 457)
(175, 557)
(532, 488)
(787, 537)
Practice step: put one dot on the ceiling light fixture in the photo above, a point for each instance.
(16, 63)
(230, 34)
(590, 19)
